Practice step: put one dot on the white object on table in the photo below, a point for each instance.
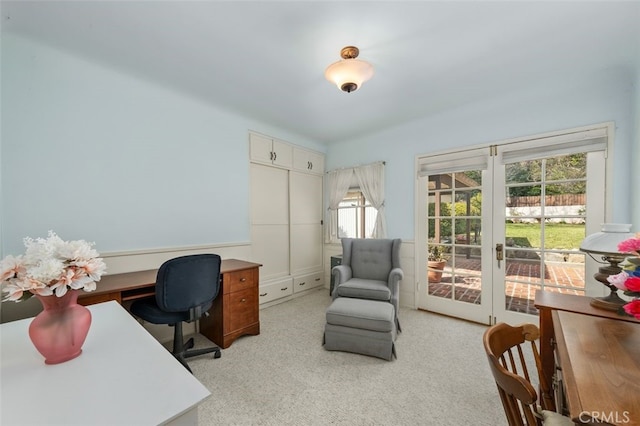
(123, 377)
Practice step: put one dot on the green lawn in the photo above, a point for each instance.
(556, 235)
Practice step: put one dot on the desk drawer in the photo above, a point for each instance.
(243, 308)
(240, 280)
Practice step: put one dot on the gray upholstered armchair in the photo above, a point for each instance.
(370, 269)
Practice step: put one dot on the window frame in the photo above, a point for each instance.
(360, 208)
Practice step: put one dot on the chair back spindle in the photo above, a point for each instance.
(505, 347)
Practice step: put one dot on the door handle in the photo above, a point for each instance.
(499, 253)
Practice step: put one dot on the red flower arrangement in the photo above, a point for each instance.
(629, 279)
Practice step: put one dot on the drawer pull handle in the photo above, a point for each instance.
(317, 279)
(263, 294)
(302, 283)
(283, 289)
(242, 279)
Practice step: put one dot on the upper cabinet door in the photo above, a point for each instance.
(261, 148)
(265, 150)
(308, 161)
(282, 154)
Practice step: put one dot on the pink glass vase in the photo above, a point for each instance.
(59, 331)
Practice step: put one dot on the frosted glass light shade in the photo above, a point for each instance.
(606, 241)
(349, 74)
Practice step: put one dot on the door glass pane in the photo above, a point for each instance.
(545, 216)
(454, 218)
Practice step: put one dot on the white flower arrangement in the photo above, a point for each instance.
(50, 266)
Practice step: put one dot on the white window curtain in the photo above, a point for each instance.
(339, 183)
(371, 181)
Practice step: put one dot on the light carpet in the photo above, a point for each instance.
(284, 376)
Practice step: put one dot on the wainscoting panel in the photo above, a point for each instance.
(407, 262)
(142, 260)
(139, 260)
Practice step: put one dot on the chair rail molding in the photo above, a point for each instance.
(142, 260)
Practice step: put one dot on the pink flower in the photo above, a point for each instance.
(631, 245)
(50, 266)
(10, 267)
(633, 308)
(618, 280)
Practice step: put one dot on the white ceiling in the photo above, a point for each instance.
(266, 59)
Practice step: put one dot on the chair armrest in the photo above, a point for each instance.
(341, 274)
(395, 275)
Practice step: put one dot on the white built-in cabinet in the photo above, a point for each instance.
(308, 161)
(271, 151)
(270, 220)
(286, 217)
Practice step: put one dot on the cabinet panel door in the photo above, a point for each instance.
(270, 247)
(306, 198)
(316, 161)
(308, 161)
(301, 160)
(269, 195)
(260, 148)
(283, 153)
(306, 248)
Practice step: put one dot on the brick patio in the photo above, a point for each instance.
(523, 279)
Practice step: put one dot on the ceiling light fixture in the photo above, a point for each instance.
(349, 73)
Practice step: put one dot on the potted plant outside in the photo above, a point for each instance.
(436, 261)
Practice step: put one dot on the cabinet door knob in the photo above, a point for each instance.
(243, 300)
(243, 279)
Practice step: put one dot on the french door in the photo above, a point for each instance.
(507, 220)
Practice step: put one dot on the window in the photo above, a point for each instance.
(356, 203)
(356, 216)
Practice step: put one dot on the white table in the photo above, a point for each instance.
(123, 377)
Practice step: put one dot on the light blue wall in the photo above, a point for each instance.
(537, 109)
(97, 154)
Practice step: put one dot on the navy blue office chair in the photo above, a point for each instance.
(185, 289)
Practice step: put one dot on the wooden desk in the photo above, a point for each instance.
(547, 302)
(234, 313)
(600, 364)
(123, 377)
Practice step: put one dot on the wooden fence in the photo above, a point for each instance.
(549, 200)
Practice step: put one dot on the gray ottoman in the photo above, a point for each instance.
(361, 326)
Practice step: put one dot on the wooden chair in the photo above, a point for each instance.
(505, 346)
